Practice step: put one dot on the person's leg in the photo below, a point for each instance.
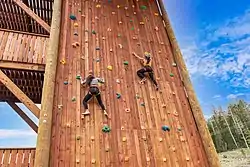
(99, 99)
(85, 103)
(151, 75)
(141, 74)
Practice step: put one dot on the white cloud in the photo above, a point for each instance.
(16, 133)
(222, 52)
(234, 96)
(207, 116)
(216, 96)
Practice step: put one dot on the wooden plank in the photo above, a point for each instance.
(26, 158)
(33, 15)
(22, 66)
(44, 131)
(23, 32)
(6, 158)
(19, 94)
(23, 116)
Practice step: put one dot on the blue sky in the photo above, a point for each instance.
(214, 37)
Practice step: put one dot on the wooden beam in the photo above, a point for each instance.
(33, 15)
(42, 157)
(23, 116)
(23, 32)
(22, 66)
(19, 94)
(208, 144)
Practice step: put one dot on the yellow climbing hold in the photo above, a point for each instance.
(120, 46)
(148, 159)
(75, 24)
(92, 138)
(93, 161)
(109, 68)
(156, 14)
(118, 6)
(98, 6)
(142, 23)
(124, 139)
(63, 61)
(126, 159)
(160, 139)
(164, 159)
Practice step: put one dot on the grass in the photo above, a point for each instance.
(235, 158)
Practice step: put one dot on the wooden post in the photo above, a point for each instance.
(45, 122)
(208, 144)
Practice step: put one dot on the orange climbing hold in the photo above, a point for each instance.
(75, 24)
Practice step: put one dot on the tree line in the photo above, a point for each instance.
(230, 129)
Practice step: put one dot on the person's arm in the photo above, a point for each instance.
(83, 81)
(140, 58)
(101, 80)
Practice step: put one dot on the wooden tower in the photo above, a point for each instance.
(42, 53)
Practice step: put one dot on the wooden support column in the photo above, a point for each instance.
(19, 94)
(23, 116)
(42, 156)
(208, 144)
(33, 15)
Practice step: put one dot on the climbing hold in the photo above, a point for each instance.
(73, 99)
(97, 48)
(125, 63)
(171, 75)
(106, 129)
(93, 161)
(72, 17)
(78, 77)
(118, 81)
(63, 61)
(119, 35)
(173, 93)
(118, 96)
(144, 138)
(179, 128)
(78, 137)
(92, 138)
(60, 106)
(148, 159)
(131, 20)
(187, 159)
(111, 50)
(142, 23)
(93, 32)
(142, 104)
(83, 15)
(103, 38)
(162, 43)
(176, 114)
(98, 6)
(124, 139)
(77, 161)
(118, 6)
(133, 6)
(44, 121)
(126, 159)
(96, 18)
(113, 13)
(122, 128)
(174, 64)
(68, 125)
(127, 110)
(132, 28)
(120, 22)
(77, 43)
(97, 60)
(79, 10)
(107, 149)
(156, 14)
(126, 8)
(75, 24)
(120, 46)
(134, 13)
(164, 159)
(165, 128)
(164, 105)
(75, 33)
(182, 138)
(137, 96)
(65, 83)
(156, 28)
(109, 29)
(143, 7)
(160, 139)
(134, 38)
(109, 68)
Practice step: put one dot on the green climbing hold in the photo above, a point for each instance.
(165, 128)
(131, 20)
(72, 17)
(143, 7)
(73, 99)
(93, 32)
(125, 63)
(118, 96)
(106, 129)
(132, 28)
(78, 77)
(171, 74)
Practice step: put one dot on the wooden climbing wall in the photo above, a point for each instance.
(17, 157)
(136, 138)
(22, 48)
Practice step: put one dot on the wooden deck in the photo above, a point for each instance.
(17, 157)
(136, 138)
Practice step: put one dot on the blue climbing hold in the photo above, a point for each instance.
(72, 17)
(118, 96)
(165, 128)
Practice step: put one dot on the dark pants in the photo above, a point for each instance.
(93, 91)
(141, 73)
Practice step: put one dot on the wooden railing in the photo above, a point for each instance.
(15, 157)
(22, 48)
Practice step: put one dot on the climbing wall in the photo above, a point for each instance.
(147, 128)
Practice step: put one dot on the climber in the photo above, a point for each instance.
(92, 82)
(147, 67)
